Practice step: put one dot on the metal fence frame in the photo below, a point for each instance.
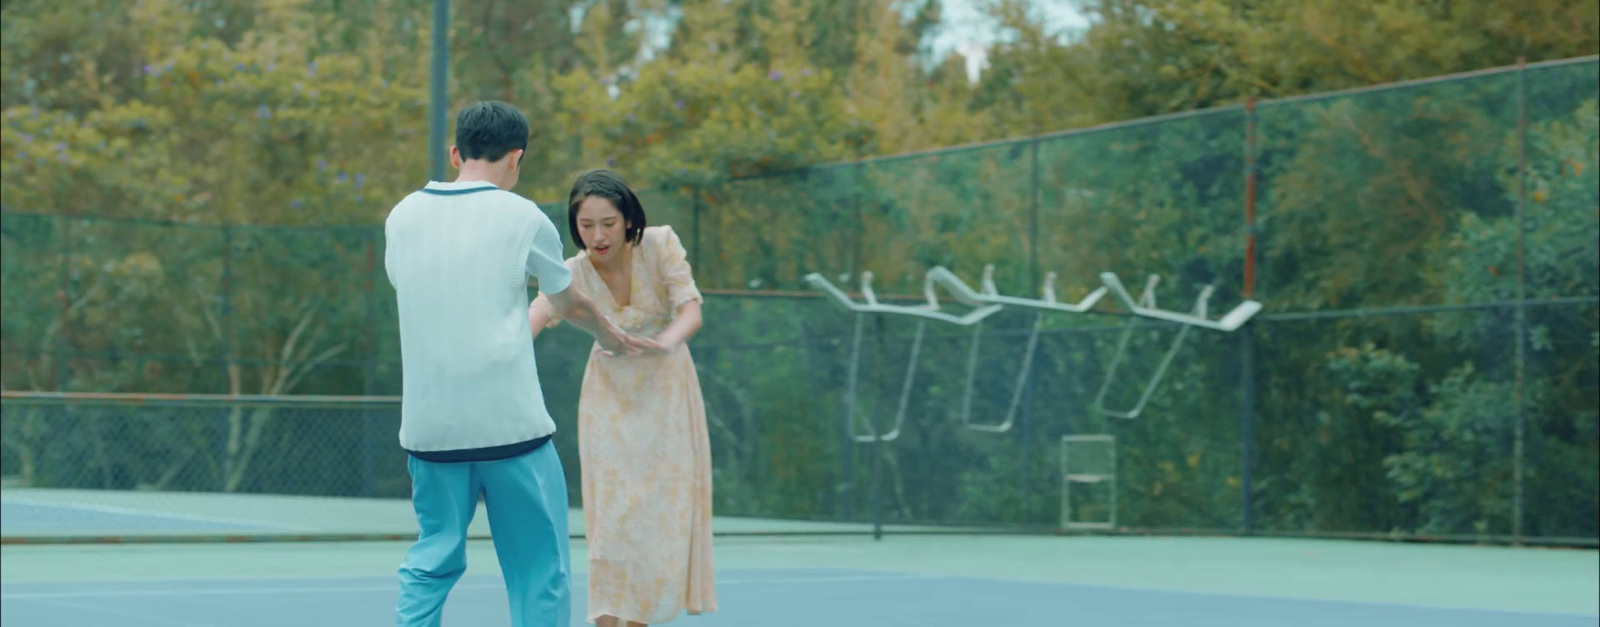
(1249, 349)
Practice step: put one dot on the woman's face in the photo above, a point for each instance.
(601, 226)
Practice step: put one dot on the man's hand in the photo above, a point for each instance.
(617, 343)
(573, 305)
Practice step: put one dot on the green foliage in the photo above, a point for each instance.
(1142, 57)
(1479, 261)
(697, 125)
(1355, 185)
(265, 136)
(1460, 439)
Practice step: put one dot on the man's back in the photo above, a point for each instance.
(458, 255)
(473, 418)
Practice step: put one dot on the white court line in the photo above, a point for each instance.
(394, 588)
(125, 511)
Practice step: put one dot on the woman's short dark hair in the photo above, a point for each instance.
(606, 184)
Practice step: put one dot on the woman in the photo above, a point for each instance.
(642, 439)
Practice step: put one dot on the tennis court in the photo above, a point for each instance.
(847, 581)
(49, 516)
(1328, 401)
(770, 572)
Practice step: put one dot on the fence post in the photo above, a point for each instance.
(1034, 280)
(878, 445)
(1247, 428)
(367, 366)
(438, 88)
(1522, 297)
(1033, 214)
(861, 223)
(1027, 434)
(226, 323)
(847, 444)
(63, 338)
(1247, 367)
(226, 315)
(694, 255)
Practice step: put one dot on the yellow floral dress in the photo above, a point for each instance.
(644, 450)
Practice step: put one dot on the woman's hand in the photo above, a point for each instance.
(652, 346)
(674, 336)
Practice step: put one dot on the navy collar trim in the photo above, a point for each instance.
(458, 192)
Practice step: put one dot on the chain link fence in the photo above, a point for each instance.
(1407, 237)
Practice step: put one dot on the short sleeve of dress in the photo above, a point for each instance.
(677, 277)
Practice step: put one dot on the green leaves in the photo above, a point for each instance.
(680, 124)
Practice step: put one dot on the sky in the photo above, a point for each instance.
(968, 31)
(965, 29)
(966, 23)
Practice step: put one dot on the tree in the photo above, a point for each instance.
(1140, 58)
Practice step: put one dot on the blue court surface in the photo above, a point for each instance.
(56, 514)
(775, 598)
(64, 519)
(920, 581)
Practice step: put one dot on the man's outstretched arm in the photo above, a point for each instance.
(577, 308)
(567, 300)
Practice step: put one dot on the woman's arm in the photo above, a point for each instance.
(684, 325)
(678, 278)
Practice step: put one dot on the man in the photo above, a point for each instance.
(473, 417)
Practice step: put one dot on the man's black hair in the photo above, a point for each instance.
(490, 129)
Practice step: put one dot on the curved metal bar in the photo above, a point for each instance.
(990, 296)
(1016, 391)
(905, 390)
(1161, 371)
(923, 313)
(871, 434)
(1234, 319)
(850, 380)
(873, 306)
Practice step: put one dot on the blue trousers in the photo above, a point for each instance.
(526, 497)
